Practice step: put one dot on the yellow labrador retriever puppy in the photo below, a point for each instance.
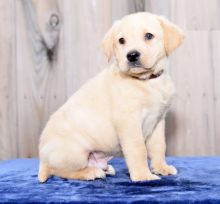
(120, 111)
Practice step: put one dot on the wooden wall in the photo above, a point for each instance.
(49, 48)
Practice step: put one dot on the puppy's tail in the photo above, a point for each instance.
(43, 173)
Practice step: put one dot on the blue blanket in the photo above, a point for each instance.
(198, 181)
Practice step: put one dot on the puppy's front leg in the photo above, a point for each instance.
(156, 147)
(134, 150)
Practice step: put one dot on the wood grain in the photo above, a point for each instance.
(41, 84)
(192, 125)
(215, 59)
(8, 101)
(84, 27)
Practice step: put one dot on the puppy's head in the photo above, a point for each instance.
(141, 42)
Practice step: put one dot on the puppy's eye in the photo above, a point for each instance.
(121, 41)
(149, 36)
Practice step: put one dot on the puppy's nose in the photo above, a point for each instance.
(133, 56)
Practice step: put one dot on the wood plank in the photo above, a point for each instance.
(215, 62)
(124, 7)
(8, 126)
(203, 14)
(158, 7)
(84, 27)
(191, 123)
(40, 78)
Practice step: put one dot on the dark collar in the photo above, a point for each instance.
(153, 76)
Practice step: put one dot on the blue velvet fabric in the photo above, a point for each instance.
(198, 181)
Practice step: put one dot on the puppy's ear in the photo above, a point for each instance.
(108, 41)
(173, 35)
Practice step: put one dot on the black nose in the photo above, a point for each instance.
(133, 56)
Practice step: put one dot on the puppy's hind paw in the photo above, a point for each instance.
(99, 174)
(110, 170)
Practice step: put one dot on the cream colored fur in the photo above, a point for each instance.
(120, 111)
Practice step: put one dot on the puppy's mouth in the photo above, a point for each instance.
(138, 68)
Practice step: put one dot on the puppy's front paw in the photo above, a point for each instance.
(164, 169)
(147, 177)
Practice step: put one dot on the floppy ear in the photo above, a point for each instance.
(173, 35)
(108, 41)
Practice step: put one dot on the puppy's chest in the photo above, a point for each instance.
(150, 118)
(161, 97)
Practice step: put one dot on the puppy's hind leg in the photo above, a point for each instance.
(43, 173)
(88, 173)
